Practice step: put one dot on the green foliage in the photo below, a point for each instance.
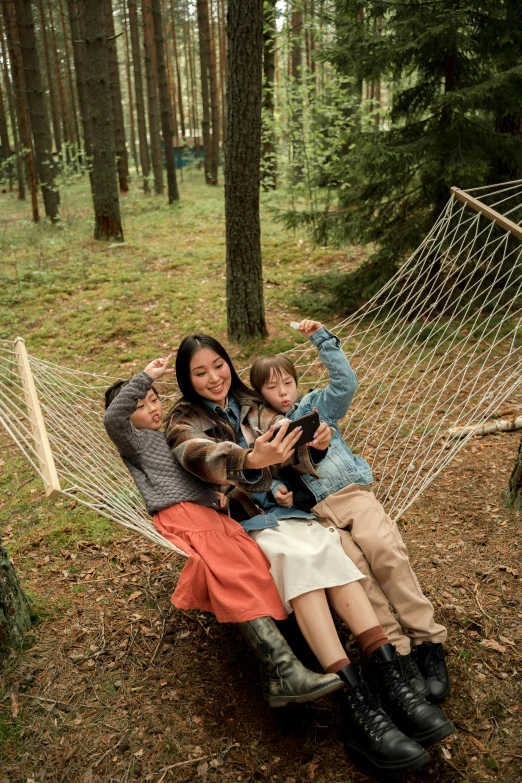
(454, 84)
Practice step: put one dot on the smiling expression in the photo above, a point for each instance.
(210, 376)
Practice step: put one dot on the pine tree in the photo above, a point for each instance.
(455, 75)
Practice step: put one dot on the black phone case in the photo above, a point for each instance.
(309, 423)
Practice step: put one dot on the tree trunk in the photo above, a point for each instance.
(134, 151)
(295, 93)
(245, 306)
(178, 75)
(214, 99)
(15, 614)
(513, 492)
(118, 124)
(42, 139)
(67, 134)
(80, 65)
(19, 92)
(138, 91)
(189, 57)
(204, 64)
(222, 63)
(55, 113)
(269, 147)
(152, 96)
(74, 112)
(5, 153)
(107, 220)
(12, 113)
(166, 108)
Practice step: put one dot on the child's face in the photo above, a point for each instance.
(280, 392)
(147, 415)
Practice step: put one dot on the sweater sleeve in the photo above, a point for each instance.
(334, 400)
(216, 463)
(121, 431)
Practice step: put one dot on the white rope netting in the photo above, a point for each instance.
(437, 347)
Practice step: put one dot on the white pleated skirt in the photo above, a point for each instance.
(305, 556)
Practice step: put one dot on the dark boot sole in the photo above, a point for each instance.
(431, 737)
(282, 701)
(386, 768)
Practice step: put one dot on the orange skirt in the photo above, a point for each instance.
(226, 573)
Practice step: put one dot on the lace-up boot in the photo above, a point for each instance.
(370, 736)
(413, 714)
(414, 675)
(432, 664)
(284, 678)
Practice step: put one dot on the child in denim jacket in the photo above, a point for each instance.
(342, 497)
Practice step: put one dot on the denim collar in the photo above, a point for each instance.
(232, 410)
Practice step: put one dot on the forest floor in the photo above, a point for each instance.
(114, 683)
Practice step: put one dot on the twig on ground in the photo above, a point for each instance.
(160, 641)
(180, 764)
(196, 620)
(482, 609)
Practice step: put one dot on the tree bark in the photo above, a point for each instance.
(214, 99)
(514, 488)
(221, 14)
(41, 128)
(166, 108)
(138, 92)
(15, 614)
(269, 147)
(152, 97)
(204, 65)
(245, 306)
(107, 220)
(118, 125)
(55, 113)
(67, 135)
(13, 115)
(80, 66)
(189, 57)
(178, 75)
(75, 126)
(19, 92)
(134, 151)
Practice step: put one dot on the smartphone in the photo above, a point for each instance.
(309, 423)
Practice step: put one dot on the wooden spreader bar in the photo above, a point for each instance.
(488, 212)
(41, 441)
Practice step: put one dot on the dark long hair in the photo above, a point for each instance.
(245, 396)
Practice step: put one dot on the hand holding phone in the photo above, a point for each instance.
(309, 425)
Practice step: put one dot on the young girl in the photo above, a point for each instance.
(212, 432)
(340, 497)
(226, 572)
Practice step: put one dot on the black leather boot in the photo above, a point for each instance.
(414, 675)
(432, 664)
(412, 713)
(284, 678)
(370, 736)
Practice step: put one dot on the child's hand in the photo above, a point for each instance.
(322, 436)
(307, 327)
(283, 497)
(158, 367)
(222, 500)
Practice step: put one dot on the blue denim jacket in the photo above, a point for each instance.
(339, 467)
(271, 511)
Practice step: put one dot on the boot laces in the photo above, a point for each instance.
(433, 662)
(409, 666)
(368, 710)
(400, 688)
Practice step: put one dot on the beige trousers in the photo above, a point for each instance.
(373, 542)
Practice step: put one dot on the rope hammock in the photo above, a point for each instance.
(437, 347)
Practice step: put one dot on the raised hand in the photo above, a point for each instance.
(158, 367)
(307, 327)
(283, 497)
(272, 452)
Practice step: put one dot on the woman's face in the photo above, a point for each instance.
(210, 376)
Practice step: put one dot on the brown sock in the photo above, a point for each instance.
(371, 640)
(334, 667)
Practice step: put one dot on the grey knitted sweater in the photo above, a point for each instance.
(159, 477)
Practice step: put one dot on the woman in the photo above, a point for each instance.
(220, 432)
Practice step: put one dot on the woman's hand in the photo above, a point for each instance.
(322, 437)
(158, 367)
(308, 327)
(283, 497)
(272, 452)
(222, 500)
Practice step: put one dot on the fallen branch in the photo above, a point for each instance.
(498, 425)
(180, 764)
